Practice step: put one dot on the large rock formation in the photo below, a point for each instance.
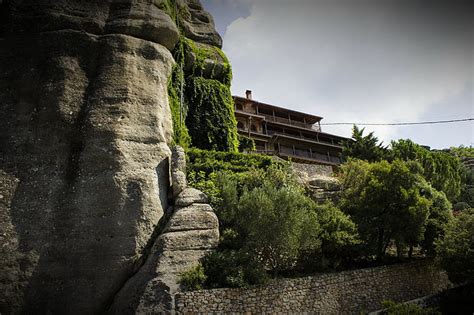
(189, 234)
(84, 146)
(318, 180)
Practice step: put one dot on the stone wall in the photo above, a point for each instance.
(348, 292)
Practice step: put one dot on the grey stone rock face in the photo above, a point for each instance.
(178, 170)
(212, 68)
(178, 159)
(179, 182)
(84, 149)
(141, 19)
(194, 217)
(199, 25)
(319, 181)
(84, 154)
(191, 232)
(189, 196)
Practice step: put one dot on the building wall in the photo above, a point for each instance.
(348, 292)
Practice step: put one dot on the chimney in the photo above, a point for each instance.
(248, 94)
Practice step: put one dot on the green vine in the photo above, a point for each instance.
(175, 10)
(203, 53)
(178, 114)
(211, 119)
(199, 93)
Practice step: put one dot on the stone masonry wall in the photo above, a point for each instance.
(348, 292)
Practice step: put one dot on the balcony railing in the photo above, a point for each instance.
(277, 133)
(291, 122)
(303, 154)
(301, 136)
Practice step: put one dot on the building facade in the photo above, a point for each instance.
(286, 133)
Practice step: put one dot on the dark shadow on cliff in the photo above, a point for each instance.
(53, 217)
(127, 298)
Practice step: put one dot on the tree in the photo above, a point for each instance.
(443, 170)
(384, 201)
(466, 197)
(439, 216)
(274, 219)
(268, 223)
(456, 250)
(363, 147)
(337, 237)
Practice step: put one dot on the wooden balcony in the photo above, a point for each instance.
(288, 121)
(298, 155)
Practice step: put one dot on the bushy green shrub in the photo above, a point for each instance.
(443, 170)
(460, 206)
(456, 249)
(213, 161)
(233, 268)
(393, 308)
(246, 144)
(267, 223)
(194, 278)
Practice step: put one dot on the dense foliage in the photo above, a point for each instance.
(393, 308)
(466, 198)
(391, 199)
(210, 120)
(363, 147)
(193, 278)
(178, 109)
(267, 223)
(456, 249)
(439, 216)
(200, 99)
(246, 144)
(462, 151)
(392, 203)
(207, 162)
(443, 170)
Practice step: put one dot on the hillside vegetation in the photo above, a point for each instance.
(395, 204)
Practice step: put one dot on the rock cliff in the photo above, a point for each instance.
(84, 145)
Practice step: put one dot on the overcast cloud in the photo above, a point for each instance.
(366, 61)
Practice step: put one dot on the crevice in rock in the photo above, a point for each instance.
(77, 132)
(159, 229)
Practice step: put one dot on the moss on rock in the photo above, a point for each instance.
(211, 119)
(203, 117)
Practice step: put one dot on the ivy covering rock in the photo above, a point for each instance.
(200, 99)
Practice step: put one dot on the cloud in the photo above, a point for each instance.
(367, 61)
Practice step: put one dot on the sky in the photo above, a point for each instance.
(372, 61)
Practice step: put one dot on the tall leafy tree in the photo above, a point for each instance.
(438, 219)
(363, 147)
(443, 170)
(456, 250)
(385, 202)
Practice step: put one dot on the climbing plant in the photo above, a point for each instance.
(200, 99)
(211, 119)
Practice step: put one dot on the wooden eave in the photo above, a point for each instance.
(310, 119)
